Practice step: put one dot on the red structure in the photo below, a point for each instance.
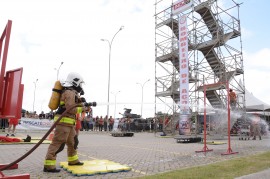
(11, 91)
(205, 148)
(229, 150)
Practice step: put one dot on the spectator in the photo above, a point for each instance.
(96, 125)
(3, 124)
(160, 125)
(88, 122)
(78, 126)
(105, 125)
(13, 122)
(111, 122)
(128, 121)
(101, 123)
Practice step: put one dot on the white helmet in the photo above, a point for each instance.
(73, 79)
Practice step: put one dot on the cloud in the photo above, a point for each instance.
(256, 68)
(246, 33)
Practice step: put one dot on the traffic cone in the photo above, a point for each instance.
(50, 137)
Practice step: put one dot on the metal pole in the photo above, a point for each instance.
(59, 70)
(35, 83)
(115, 94)
(142, 85)
(109, 75)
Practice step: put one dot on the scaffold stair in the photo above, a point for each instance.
(214, 99)
(204, 9)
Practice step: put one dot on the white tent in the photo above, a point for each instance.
(254, 104)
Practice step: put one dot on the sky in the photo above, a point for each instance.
(47, 32)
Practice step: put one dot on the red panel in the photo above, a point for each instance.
(20, 101)
(22, 176)
(13, 93)
(15, 166)
(4, 42)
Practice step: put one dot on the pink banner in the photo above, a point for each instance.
(183, 65)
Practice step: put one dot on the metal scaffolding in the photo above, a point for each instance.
(215, 57)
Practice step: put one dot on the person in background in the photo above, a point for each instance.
(232, 96)
(160, 124)
(86, 122)
(105, 126)
(79, 120)
(111, 122)
(96, 126)
(13, 122)
(128, 121)
(101, 123)
(3, 124)
(90, 121)
(14, 139)
(256, 127)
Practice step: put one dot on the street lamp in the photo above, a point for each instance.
(58, 69)
(142, 85)
(110, 48)
(115, 94)
(35, 83)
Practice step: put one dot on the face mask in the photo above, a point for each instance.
(82, 92)
(78, 89)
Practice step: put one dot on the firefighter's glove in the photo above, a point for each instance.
(87, 108)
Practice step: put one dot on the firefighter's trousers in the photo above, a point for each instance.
(63, 135)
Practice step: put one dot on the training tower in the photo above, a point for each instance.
(214, 56)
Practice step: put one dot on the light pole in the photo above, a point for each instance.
(35, 83)
(110, 48)
(142, 85)
(58, 69)
(115, 94)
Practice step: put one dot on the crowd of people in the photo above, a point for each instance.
(98, 123)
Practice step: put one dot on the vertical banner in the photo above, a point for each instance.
(183, 65)
(184, 121)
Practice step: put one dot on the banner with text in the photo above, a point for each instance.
(181, 5)
(183, 65)
(35, 124)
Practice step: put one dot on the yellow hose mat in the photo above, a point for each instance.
(33, 141)
(95, 167)
(215, 143)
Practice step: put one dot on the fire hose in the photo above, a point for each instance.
(41, 140)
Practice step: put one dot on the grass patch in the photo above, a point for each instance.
(221, 170)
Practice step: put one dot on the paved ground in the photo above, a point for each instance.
(145, 153)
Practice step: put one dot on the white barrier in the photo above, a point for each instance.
(34, 124)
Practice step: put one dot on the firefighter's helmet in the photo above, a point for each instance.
(74, 80)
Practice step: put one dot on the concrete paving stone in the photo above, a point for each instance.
(145, 153)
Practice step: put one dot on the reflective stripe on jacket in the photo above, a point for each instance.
(66, 120)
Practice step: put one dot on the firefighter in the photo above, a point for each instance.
(256, 128)
(233, 97)
(64, 133)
